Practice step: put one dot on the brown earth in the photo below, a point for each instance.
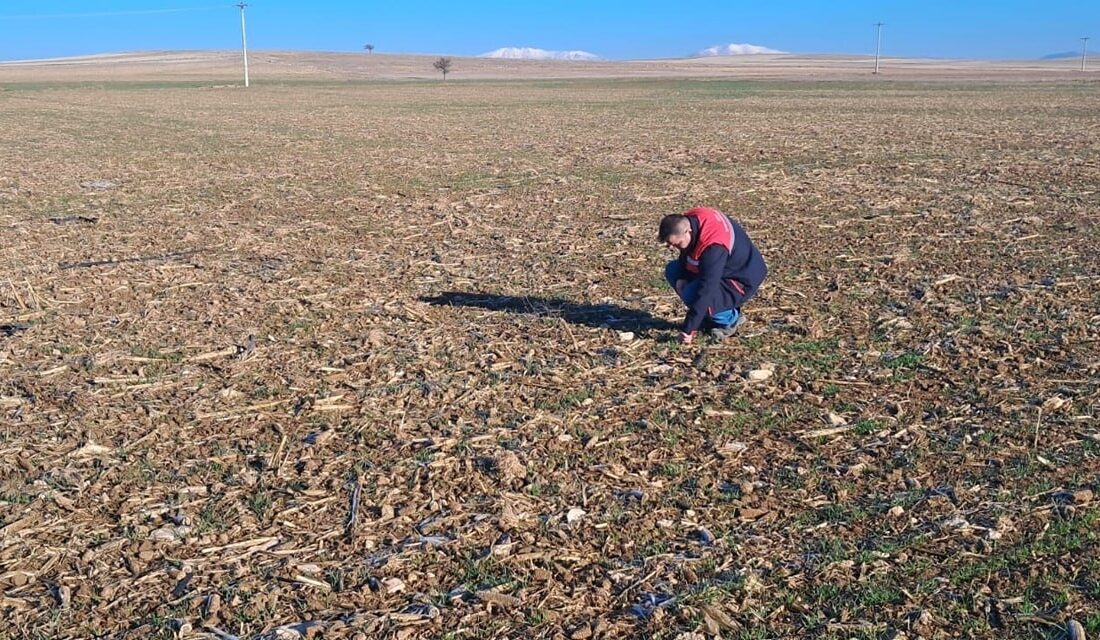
(393, 359)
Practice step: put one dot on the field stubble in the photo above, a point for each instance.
(354, 357)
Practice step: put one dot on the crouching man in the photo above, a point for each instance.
(717, 272)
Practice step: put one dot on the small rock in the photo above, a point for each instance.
(956, 522)
(1054, 403)
(896, 511)
(170, 534)
(394, 585)
(836, 421)
(626, 336)
(248, 477)
(574, 515)
(759, 375)
(502, 600)
(731, 450)
(90, 449)
(503, 546)
(98, 184)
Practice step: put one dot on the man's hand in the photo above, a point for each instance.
(686, 338)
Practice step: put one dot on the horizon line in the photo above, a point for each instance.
(483, 56)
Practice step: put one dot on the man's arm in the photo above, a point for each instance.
(711, 265)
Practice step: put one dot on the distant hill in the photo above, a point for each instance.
(733, 49)
(529, 53)
(1061, 56)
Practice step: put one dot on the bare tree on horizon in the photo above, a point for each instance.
(444, 66)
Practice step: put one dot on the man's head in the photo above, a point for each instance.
(675, 231)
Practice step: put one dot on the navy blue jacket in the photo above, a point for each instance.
(728, 279)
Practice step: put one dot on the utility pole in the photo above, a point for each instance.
(1084, 51)
(244, 44)
(878, 43)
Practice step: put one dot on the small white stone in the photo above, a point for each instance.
(626, 336)
(98, 184)
(393, 585)
(574, 515)
(759, 375)
(956, 522)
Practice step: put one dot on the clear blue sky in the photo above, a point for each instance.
(609, 28)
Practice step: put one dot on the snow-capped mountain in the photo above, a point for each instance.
(733, 50)
(529, 53)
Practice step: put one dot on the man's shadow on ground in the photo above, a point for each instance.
(589, 315)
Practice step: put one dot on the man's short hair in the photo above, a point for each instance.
(672, 225)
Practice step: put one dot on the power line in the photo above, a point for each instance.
(143, 12)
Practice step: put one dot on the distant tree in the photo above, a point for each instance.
(369, 48)
(444, 66)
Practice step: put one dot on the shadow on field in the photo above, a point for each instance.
(589, 315)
